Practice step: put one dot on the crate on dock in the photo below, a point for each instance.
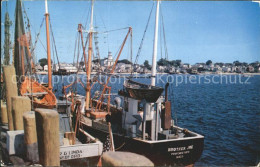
(15, 142)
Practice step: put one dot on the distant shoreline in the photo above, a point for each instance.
(208, 73)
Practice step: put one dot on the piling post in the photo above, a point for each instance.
(11, 90)
(4, 118)
(71, 137)
(124, 159)
(20, 105)
(47, 126)
(30, 136)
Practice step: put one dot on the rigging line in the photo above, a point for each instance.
(113, 30)
(43, 45)
(89, 9)
(117, 52)
(77, 36)
(164, 37)
(84, 50)
(30, 67)
(53, 53)
(53, 39)
(118, 49)
(27, 18)
(29, 30)
(161, 39)
(37, 37)
(102, 20)
(41, 41)
(141, 44)
(52, 46)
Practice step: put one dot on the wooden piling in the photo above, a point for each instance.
(20, 105)
(47, 126)
(11, 90)
(30, 136)
(124, 159)
(4, 118)
(71, 137)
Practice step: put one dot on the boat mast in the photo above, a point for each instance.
(48, 46)
(155, 45)
(91, 29)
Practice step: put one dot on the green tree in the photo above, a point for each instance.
(95, 61)
(124, 61)
(81, 63)
(237, 63)
(220, 64)
(178, 62)
(208, 62)
(43, 62)
(162, 62)
(245, 64)
(147, 65)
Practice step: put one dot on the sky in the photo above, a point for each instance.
(195, 31)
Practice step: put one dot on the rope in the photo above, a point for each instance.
(30, 42)
(120, 146)
(37, 37)
(43, 45)
(113, 30)
(107, 39)
(75, 47)
(141, 44)
(164, 37)
(54, 42)
(87, 16)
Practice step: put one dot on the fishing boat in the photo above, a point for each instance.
(74, 148)
(41, 96)
(142, 123)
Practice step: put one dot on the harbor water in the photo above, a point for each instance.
(225, 109)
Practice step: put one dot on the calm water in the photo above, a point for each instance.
(227, 114)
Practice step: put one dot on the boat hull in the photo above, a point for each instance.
(172, 152)
(47, 100)
(141, 91)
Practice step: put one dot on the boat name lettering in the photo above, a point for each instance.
(176, 149)
(181, 153)
(179, 157)
(72, 154)
(180, 148)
